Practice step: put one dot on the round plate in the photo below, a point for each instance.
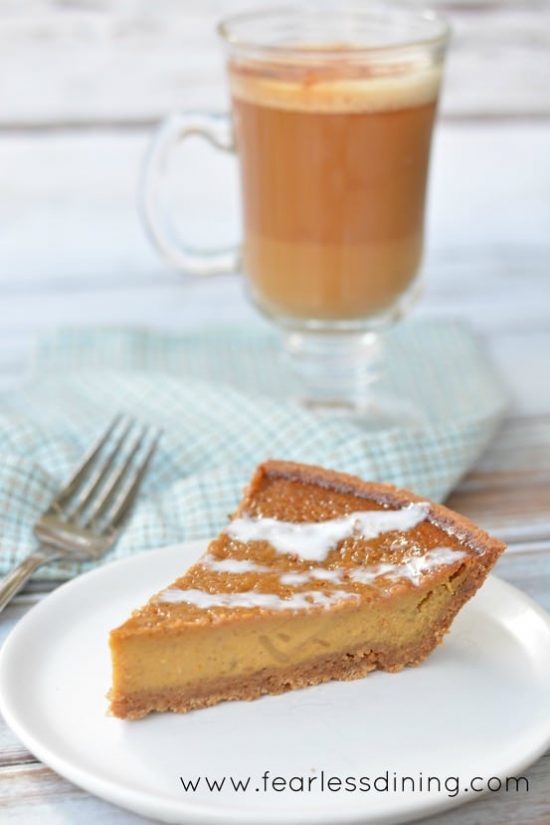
(477, 707)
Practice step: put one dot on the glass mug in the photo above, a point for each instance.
(332, 116)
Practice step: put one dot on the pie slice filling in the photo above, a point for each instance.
(318, 576)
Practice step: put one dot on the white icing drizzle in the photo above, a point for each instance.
(290, 579)
(313, 541)
(233, 566)
(412, 568)
(251, 599)
(319, 573)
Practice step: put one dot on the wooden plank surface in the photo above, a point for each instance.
(72, 250)
(29, 791)
(83, 82)
(81, 63)
(26, 791)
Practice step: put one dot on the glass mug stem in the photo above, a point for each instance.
(216, 129)
(333, 372)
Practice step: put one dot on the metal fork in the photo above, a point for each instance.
(86, 516)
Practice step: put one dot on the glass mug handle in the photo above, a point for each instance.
(217, 130)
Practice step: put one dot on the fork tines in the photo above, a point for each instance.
(104, 486)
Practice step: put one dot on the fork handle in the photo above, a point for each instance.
(13, 581)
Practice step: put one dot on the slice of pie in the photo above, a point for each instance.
(318, 576)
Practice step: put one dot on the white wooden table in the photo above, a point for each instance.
(82, 84)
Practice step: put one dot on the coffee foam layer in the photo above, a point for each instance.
(370, 93)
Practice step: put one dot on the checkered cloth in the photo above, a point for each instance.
(221, 396)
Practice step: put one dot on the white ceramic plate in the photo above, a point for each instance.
(477, 707)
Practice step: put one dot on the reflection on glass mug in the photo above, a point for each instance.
(332, 116)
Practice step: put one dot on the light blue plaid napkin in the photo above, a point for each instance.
(221, 396)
